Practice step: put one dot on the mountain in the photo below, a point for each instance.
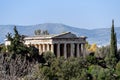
(99, 36)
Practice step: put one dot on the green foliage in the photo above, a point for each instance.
(33, 52)
(17, 45)
(62, 69)
(118, 55)
(91, 58)
(87, 45)
(9, 37)
(74, 69)
(2, 48)
(99, 73)
(118, 69)
(49, 57)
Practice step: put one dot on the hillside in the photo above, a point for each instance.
(99, 36)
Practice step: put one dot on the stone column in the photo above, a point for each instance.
(65, 51)
(58, 50)
(40, 49)
(78, 51)
(84, 53)
(52, 48)
(43, 47)
(35, 45)
(82, 49)
(71, 50)
(48, 48)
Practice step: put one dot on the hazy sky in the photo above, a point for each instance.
(77, 13)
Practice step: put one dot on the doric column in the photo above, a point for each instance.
(71, 50)
(40, 49)
(58, 50)
(84, 54)
(82, 49)
(48, 48)
(52, 48)
(43, 47)
(35, 45)
(78, 51)
(65, 51)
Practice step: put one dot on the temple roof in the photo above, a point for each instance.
(62, 35)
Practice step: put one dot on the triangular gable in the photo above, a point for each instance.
(66, 35)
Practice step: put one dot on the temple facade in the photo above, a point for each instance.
(65, 44)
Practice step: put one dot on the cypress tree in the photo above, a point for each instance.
(111, 57)
(116, 51)
(113, 43)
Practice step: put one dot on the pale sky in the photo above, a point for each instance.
(87, 14)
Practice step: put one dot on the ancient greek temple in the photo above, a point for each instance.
(64, 44)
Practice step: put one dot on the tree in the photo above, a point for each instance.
(118, 69)
(91, 58)
(113, 46)
(93, 48)
(9, 36)
(99, 73)
(118, 54)
(111, 58)
(40, 32)
(45, 32)
(17, 45)
(12, 69)
(37, 32)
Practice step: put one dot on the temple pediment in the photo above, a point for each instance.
(65, 35)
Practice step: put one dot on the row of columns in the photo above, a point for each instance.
(77, 49)
(80, 49)
(44, 47)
